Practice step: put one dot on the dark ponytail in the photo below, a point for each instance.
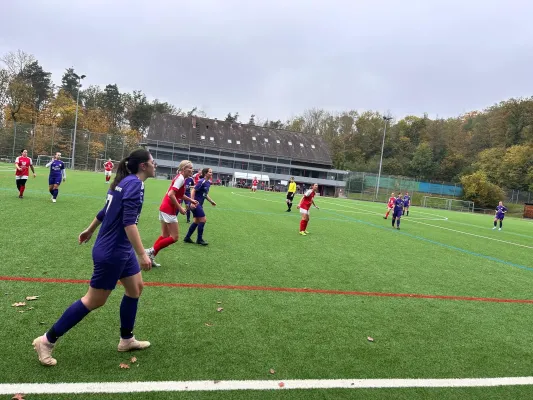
(130, 165)
(204, 172)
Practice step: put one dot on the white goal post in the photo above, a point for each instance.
(42, 160)
(444, 203)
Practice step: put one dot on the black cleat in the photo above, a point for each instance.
(398, 228)
(202, 242)
(384, 217)
(188, 240)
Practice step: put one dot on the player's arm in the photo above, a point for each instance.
(210, 200)
(87, 233)
(32, 170)
(64, 173)
(130, 203)
(48, 164)
(175, 202)
(314, 205)
(17, 166)
(189, 199)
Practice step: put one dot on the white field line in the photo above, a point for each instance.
(473, 234)
(361, 210)
(194, 386)
(487, 228)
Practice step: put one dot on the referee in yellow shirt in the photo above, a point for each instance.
(290, 193)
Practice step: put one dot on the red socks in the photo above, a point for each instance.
(21, 190)
(386, 215)
(107, 178)
(162, 242)
(303, 225)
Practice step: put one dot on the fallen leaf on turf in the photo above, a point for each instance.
(216, 381)
(219, 309)
(133, 360)
(30, 308)
(41, 323)
(20, 304)
(18, 396)
(281, 384)
(272, 371)
(208, 324)
(370, 339)
(219, 302)
(21, 311)
(124, 366)
(32, 297)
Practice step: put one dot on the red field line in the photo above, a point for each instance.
(281, 289)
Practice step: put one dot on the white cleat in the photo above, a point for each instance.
(500, 229)
(132, 344)
(493, 228)
(44, 351)
(150, 254)
(54, 200)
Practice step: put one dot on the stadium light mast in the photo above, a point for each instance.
(79, 78)
(386, 119)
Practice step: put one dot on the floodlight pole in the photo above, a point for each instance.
(79, 78)
(386, 119)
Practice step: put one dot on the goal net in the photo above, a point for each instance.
(42, 160)
(99, 164)
(444, 203)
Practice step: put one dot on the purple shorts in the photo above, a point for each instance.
(198, 212)
(107, 273)
(53, 180)
(397, 213)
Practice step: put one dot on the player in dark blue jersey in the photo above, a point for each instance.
(189, 184)
(398, 211)
(115, 255)
(500, 214)
(57, 173)
(200, 193)
(406, 203)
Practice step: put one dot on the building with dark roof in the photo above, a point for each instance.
(233, 147)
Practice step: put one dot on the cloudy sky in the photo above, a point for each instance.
(277, 58)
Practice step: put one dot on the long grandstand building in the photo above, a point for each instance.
(237, 152)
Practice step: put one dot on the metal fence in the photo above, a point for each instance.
(91, 147)
(46, 140)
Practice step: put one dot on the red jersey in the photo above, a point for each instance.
(24, 163)
(178, 186)
(390, 204)
(254, 182)
(196, 177)
(307, 200)
(108, 166)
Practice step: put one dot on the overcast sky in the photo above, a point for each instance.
(277, 58)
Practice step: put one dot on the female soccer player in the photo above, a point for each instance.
(168, 210)
(114, 257)
(500, 214)
(390, 205)
(398, 211)
(22, 165)
(108, 170)
(200, 193)
(57, 171)
(304, 206)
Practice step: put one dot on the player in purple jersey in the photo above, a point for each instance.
(57, 173)
(398, 211)
(200, 193)
(115, 255)
(500, 214)
(406, 203)
(189, 184)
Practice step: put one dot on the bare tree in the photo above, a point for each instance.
(17, 61)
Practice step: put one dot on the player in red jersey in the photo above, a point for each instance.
(168, 210)
(197, 176)
(390, 205)
(254, 184)
(305, 204)
(108, 167)
(22, 166)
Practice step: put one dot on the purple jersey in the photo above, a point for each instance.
(201, 190)
(406, 200)
(398, 204)
(189, 184)
(56, 169)
(123, 208)
(500, 211)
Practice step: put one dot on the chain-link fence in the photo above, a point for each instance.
(90, 147)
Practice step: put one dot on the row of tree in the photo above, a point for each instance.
(497, 142)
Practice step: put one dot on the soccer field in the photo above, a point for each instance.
(444, 298)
